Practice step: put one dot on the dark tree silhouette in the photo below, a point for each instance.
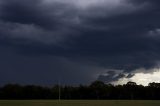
(96, 90)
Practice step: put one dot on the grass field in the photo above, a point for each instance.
(76, 103)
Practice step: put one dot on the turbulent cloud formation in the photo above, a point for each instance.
(111, 76)
(54, 20)
(79, 40)
(140, 78)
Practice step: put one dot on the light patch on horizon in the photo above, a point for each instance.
(141, 78)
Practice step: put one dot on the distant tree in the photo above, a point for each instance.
(96, 90)
(154, 85)
(12, 91)
(131, 83)
(97, 84)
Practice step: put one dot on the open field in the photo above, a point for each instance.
(77, 103)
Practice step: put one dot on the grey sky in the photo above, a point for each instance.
(79, 40)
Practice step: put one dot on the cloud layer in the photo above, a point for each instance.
(51, 21)
(86, 37)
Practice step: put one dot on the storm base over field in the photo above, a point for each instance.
(79, 41)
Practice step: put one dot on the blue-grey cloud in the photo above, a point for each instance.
(84, 38)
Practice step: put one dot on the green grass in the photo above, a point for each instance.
(77, 103)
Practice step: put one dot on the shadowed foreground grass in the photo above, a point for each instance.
(77, 103)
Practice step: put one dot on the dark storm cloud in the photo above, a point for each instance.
(111, 76)
(53, 21)
(36, 20)
(44, 70)
(130, 75)
(86, 38)
(30, 12)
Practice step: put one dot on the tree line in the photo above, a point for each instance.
(95, 91)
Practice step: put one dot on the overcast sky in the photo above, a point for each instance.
(79, 41)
